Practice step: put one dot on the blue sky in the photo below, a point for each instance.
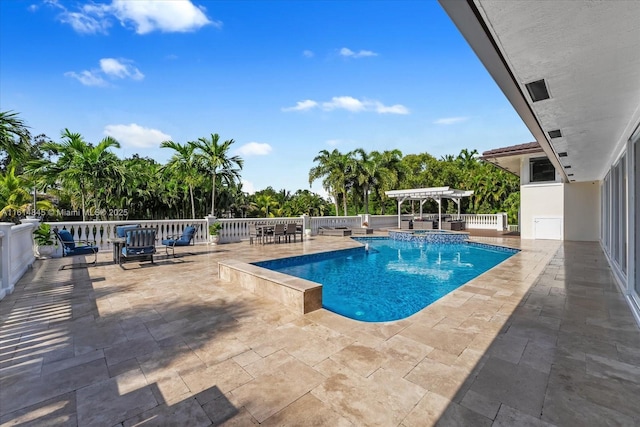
(284, 79)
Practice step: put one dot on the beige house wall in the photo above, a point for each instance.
(582, 211)
(539, 201)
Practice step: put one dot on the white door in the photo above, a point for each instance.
(547, 228)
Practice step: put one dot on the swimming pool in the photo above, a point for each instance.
(390, 279)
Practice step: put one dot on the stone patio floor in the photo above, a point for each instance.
(545, 338)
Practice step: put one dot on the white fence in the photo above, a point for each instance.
(237, 229)
(16, 253)
(102, 231)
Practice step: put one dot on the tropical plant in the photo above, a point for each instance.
(90, 170)
(334, 168)
(215, 228)
(183, 166)
(43, 235)
(14, 137)
(15, 198)
(266, 204)
(213, 158)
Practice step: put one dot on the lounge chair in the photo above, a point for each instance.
(334, 231)
(362, 230)
(71, 247)
(141, 243)
(184, 239)
(423, 224)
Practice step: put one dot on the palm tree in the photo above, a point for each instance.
(14, 137)
(15, 196)
(334, 168)
(81, 166)
(183, 165)
(213, 158)
(372, 171)
(391, 163)
(266, 203)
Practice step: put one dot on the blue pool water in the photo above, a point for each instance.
(392, 279)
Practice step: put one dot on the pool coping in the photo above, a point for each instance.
(301, 295)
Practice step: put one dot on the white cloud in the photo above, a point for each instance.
(90, 19)
(120, 69)
(450, 120)
(248, 187)
(308, 54)
(109, 67)
(88, 78)
(334, 142)
(393, 109)
(167, 16)
(307, 104)
(134, 135)
(254, 149)
(344, 102)
(145, 16)
(350, 103)
(348, 53)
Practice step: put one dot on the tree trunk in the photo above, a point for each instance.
(344, 203)
(213, 195)
(193, 206)
(84, 215)
(366, 200)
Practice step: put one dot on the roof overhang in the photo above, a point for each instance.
(510, 158)
(435, 193)
(588, 54)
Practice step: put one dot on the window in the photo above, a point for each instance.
(541, 170)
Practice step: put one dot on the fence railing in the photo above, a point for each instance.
(102, 231)
(237, 229)
(16, 253)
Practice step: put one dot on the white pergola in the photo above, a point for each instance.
(424, 194)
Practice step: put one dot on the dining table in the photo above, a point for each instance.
(264, 230)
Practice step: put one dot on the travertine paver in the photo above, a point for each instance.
(543, 339)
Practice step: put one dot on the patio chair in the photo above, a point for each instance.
(71, 247)
(278, 232)
(141, 243)
(184, 239)
(121, 230)
(254, 233)
(292, 230)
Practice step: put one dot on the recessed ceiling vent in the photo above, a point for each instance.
(570, 174)
(568, 167)
(555, 134)
(563, 154)
(538, 90)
